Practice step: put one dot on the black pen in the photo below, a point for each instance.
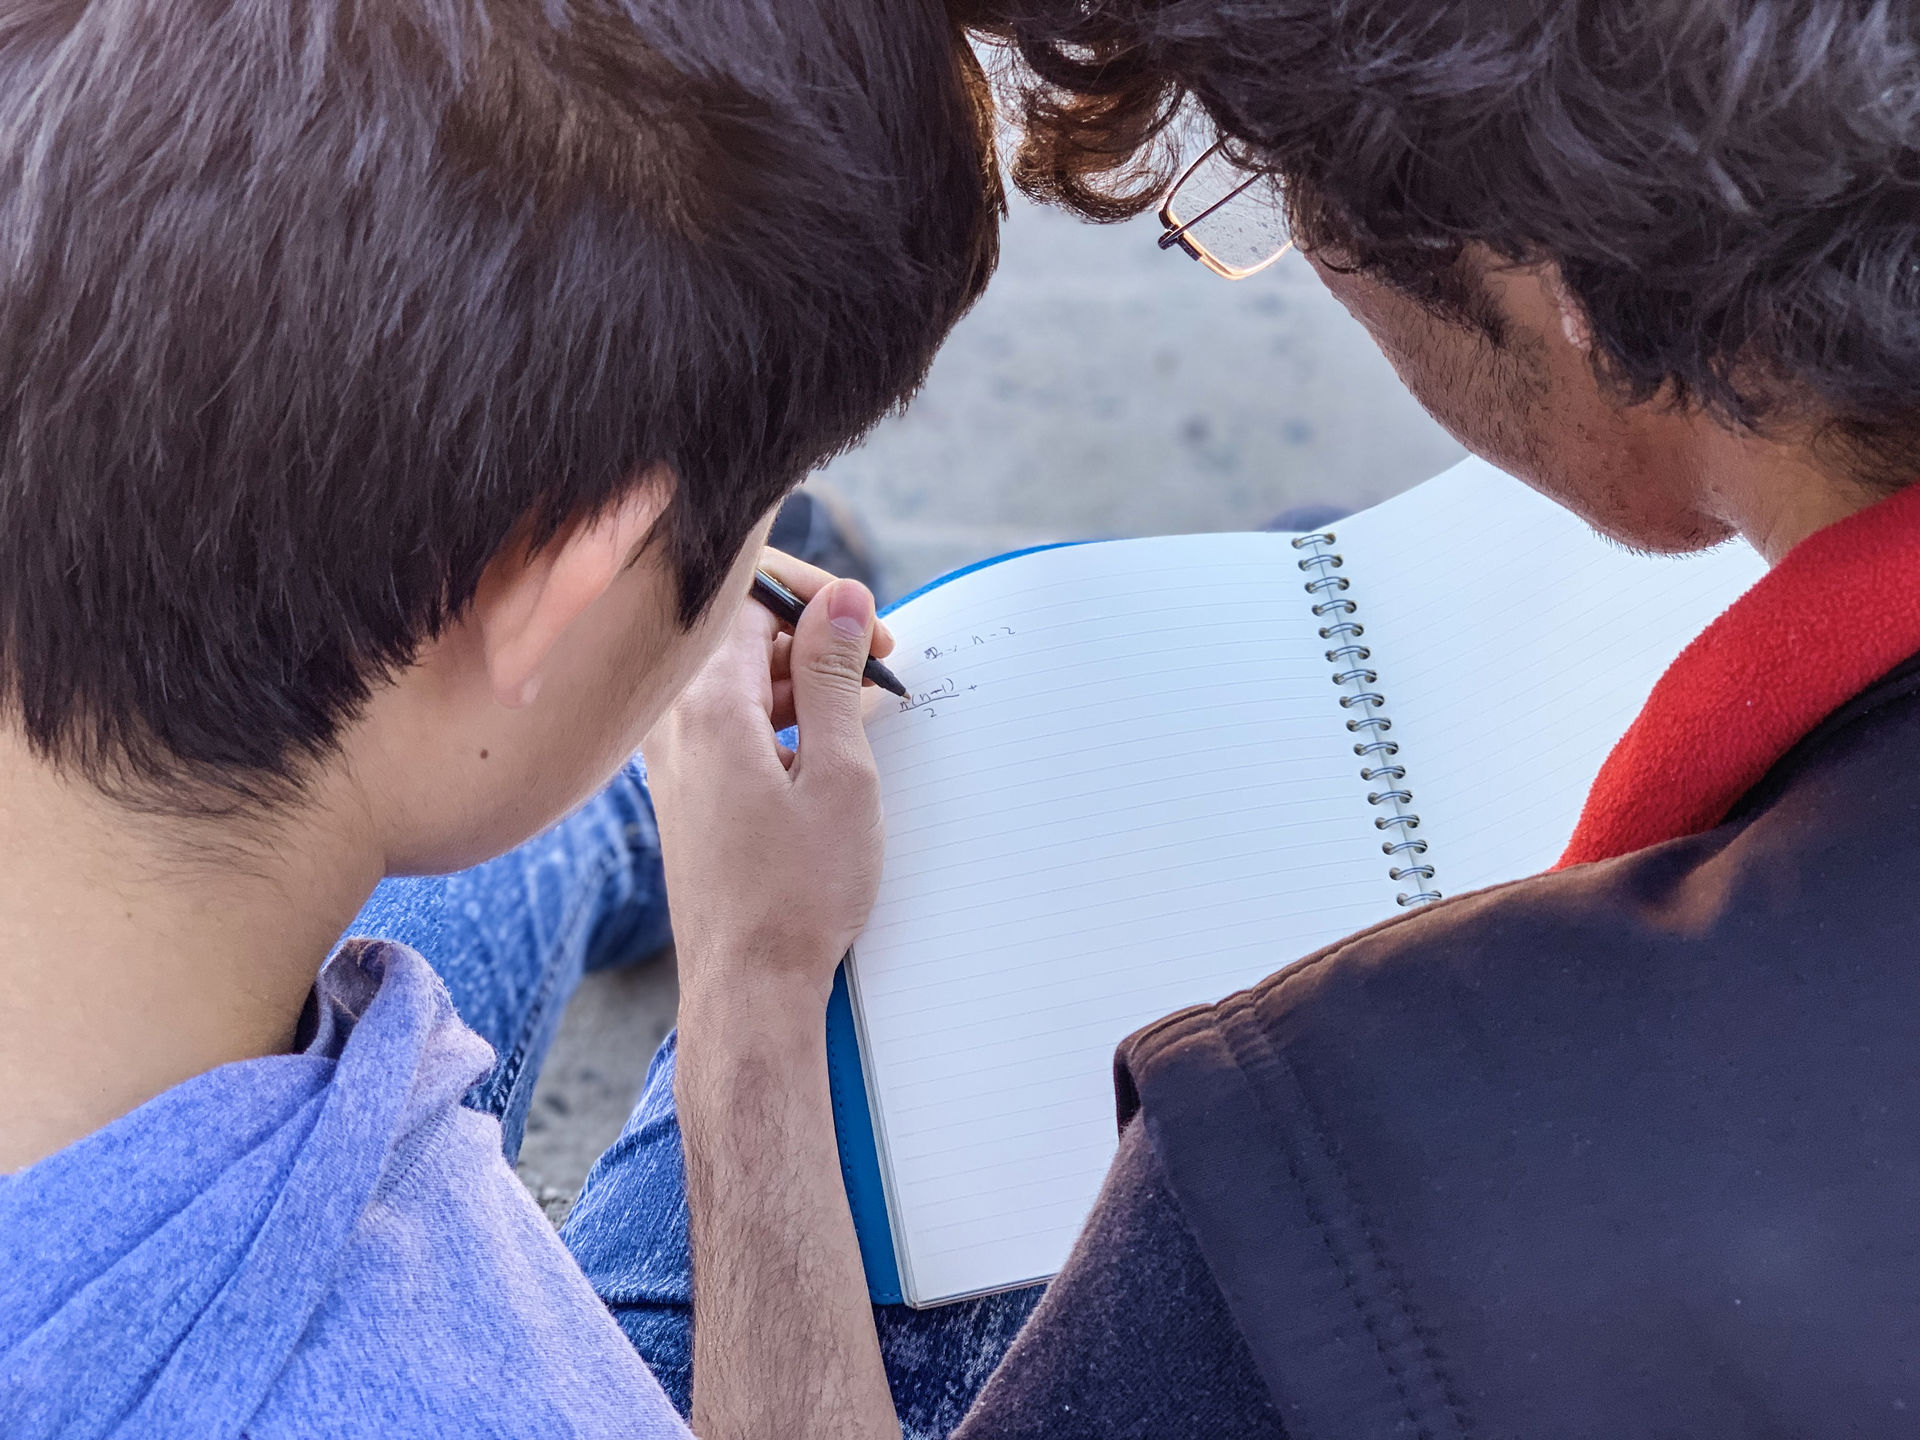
(786, 606)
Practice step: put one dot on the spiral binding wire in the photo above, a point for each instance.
(1397, 820)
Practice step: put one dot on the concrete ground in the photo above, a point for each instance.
(1101, 388)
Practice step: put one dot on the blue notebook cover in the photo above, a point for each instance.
(852, 1119)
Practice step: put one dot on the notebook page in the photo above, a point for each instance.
(1122, 787)
(1515, 645)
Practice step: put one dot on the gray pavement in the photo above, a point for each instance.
(1101, 388)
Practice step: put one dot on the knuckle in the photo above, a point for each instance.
(709, 693)
(845, 760)
(703, 709)
(837, 663)
(709, 717)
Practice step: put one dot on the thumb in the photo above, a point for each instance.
(830, 647)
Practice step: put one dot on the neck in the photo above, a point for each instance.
(138, 952)
(1775, 495)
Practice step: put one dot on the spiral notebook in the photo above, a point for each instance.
(1141, 774)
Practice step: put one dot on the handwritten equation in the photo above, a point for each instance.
(956, 647)
(926, 701)
(929, 699)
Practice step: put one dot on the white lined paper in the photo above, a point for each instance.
(1124, 786)
(1515, 646)
(1141, 797)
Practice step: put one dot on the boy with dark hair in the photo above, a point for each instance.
(393, 401)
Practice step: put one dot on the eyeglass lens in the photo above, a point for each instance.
(1243, 233)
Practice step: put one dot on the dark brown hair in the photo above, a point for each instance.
(307, 306)
(1730, 190)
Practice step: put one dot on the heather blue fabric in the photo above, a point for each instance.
(330, 1243)
(320, 1244)
(512, 937)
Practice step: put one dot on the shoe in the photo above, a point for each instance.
(819, 528)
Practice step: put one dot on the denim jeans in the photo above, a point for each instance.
(512, 938)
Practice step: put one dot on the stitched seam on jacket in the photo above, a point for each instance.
(1242, 1037)
(1294, 1427)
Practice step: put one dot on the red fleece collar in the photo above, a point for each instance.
(1840, 611)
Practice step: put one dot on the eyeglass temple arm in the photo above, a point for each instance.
(1173, 235)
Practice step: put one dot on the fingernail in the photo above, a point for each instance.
(850, 608)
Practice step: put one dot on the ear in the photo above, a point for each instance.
(527, 600)
(1573, 316)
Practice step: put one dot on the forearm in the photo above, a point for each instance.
(773, 861)
(783, 1335)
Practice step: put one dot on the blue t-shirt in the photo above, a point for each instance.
(319, 1244)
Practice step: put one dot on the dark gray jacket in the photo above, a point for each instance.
(1631, 1149)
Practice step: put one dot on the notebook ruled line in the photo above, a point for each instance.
(1019, 931)
(921, 922)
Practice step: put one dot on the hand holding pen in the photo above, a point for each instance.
(787, 607)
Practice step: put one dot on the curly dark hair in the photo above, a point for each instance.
(1731, 190)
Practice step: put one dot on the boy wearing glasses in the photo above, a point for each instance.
(394, 399)
(1625, 1148)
